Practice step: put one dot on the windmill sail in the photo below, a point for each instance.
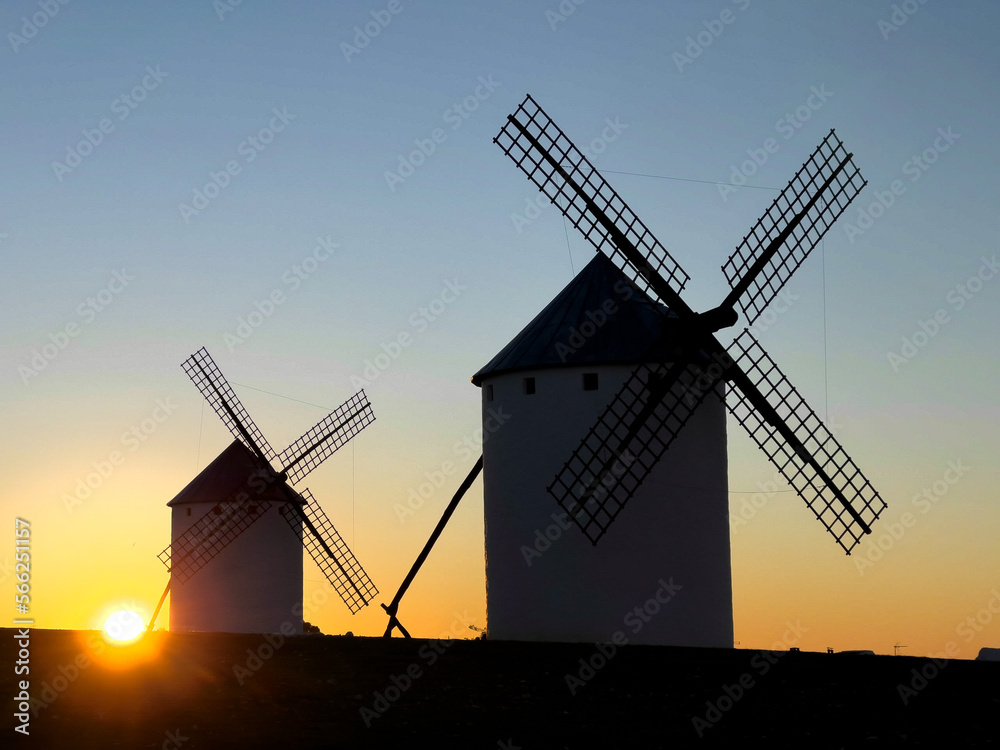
(328, 436)
(560, 170)
(792, 226)
(803, 449)
(330, 553)
(211, 534)
(629, 438)
(205, 374)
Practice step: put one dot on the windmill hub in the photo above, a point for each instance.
(716, 319)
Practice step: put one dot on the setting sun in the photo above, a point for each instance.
(124, 626)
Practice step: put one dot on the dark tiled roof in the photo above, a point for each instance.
(225, 477)
(628, 335)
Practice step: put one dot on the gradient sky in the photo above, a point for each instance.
(208, 84)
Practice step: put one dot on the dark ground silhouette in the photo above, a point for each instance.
(221, 691)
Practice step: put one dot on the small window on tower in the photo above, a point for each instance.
(489, 392)
(189, 511)
(529, 386)
(590, 381)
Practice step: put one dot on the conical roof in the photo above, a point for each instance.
(601, 317)
(234, 470)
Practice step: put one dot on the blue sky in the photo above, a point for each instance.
(198, 87)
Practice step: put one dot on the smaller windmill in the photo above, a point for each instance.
(259, 579)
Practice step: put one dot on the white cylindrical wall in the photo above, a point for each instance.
(662, 572)
(253, 586)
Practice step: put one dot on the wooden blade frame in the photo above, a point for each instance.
(807, 454)
(211, 534)
(330, 553)
(327, 437)
(559, 169)
(207, 376)
(791, 227)
(630, 437)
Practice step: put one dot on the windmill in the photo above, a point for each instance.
(240, 486)
(661, 391)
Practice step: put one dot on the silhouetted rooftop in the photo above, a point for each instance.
(614, 322)
(222, 479)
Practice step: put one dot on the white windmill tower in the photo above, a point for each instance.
(627, 383)
(545, 580)
(254, 582)
(540, 393)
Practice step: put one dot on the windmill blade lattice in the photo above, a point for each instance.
(542, 151)
(205, 374)
(845, 477)
(628, 440)
(211, 534)
(327, 437)
(792, 226)
(329, 551)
